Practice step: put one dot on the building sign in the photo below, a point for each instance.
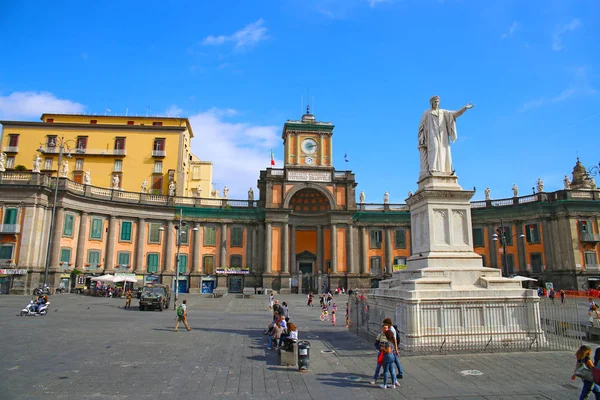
(13, 272)
(232, 271)
(399, 267)
(316, 176)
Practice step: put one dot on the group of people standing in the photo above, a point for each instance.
(387, 357)
(283, 332)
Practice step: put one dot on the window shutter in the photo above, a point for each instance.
(10, 216)
(182, 263)
(68, 225)
(126, 230)
(152, 263)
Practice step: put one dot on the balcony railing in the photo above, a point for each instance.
(159, 153)
(81, 150)
(10, 228)
(590, 237)
(592, 267)
(11, 149)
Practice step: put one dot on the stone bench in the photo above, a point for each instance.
(289, 357)
(219, 292)
(248, 293)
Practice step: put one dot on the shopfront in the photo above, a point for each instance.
(208, 284)
(235, 278)
(10, 279)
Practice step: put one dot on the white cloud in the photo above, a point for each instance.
(511, 30)
(557, 44)
(174, 111)
(24, 105)
(373, 3)
(238, 150)
(246, 37)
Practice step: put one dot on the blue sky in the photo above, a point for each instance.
(240, 69)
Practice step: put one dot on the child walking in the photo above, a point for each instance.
(333, 310)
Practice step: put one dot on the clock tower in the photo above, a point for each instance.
(307, 143)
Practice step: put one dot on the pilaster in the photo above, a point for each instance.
(140, 246)
(223, 246)
(109, 260)
(169, 243)
(334, 268)
(80, 253)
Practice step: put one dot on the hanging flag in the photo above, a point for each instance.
(346, 157)
(272, 158)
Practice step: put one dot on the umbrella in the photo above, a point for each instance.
(522, 278)
(104, 278)
(125, 279)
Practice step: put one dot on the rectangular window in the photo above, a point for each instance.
(590, 259)
(68, 225)
(118, 166)
(65, 255)
(235, 261)
(478, 240)
(123, 258)
(120, 143)
(536, 262)
(210, 236)
(237, 237)
(159, 144)
(184, 236)
(82, 143)
(158, 167)
(93, 258)
(10, 162)
(93, 121)
(183, 258)
(152, 259)
(50, 120)
(400, 239)
(157, 184)
(10, 216)
(154, 233)
(399, 260)
(208, 264)
(130, 122)
(532, 233)
(13, 140)
(96, 228)
(126, 231)
(376, 236)
(157, 124)
(375, 264)
(48, 164)
(507, 235)
(51, 141)
(6, 252)
(196, 175)
(79, 164)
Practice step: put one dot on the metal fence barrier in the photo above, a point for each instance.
(459, 328)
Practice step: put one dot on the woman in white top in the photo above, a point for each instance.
(271, 299)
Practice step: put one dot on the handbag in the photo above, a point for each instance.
(596, 374)
(584, 372)
(380, 358)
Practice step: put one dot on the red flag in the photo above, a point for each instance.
(272, 158)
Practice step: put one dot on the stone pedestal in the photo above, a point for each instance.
(286, 284)
(445, 296)
(195, 283)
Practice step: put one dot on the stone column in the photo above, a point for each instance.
(196, 256)
(109, 259)
(330, 152)
(140, 246)
(260, 244)
(169, 243)
(297, 149)
(388, 250)
(333, 248)
(268, 235)
(285, 265)
(319, 250)
(350, 250)
(56, 235)
(294, 264)
(321, 158)
(253, 250)
(80, 255)
(364, 265)
(223, 246)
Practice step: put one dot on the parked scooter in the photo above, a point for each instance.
(42, 309)
(45, 289)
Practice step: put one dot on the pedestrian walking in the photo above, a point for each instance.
(182, 316)
(128, 297)
(271, 300)
(583, 369)
(347, 316)
(333, 311)
(562, 296)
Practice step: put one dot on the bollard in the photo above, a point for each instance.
(303, 355)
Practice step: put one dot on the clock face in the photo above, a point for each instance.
(309, 146)
(309, 161)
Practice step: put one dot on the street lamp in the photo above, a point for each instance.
(502, 237)
(179, 233)
(62, 144)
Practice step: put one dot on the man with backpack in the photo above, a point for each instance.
(182, 316)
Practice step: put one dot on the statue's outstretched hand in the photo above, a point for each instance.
(469, 105)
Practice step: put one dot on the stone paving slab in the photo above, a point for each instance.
(89, 348)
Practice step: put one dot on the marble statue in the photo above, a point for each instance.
(386, 197)
(199, 191)
(225, 192)
(362, 197)
(437, 130)
(172, 188)
(115, 182)
(37, 163)
(567, 182)
(64, 170)
(250, 194)
(515, 190)
(487, 192)
(87, 178)
(145, 186)
(540, 185)
(2, 162)
(215, 193)
(410, 193)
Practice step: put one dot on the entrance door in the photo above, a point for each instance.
(306, 269)
(235, 284)
(208, 286)
(182, 286)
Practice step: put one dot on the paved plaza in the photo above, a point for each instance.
(90, 347)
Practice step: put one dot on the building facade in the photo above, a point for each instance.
(303, 232)
(156, 150)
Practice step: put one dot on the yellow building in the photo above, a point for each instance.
(115, 151)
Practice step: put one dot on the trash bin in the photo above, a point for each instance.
(303, 355)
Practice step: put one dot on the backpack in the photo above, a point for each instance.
(180, 311)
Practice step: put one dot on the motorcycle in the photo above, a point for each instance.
(42, 309)
(42, 290)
